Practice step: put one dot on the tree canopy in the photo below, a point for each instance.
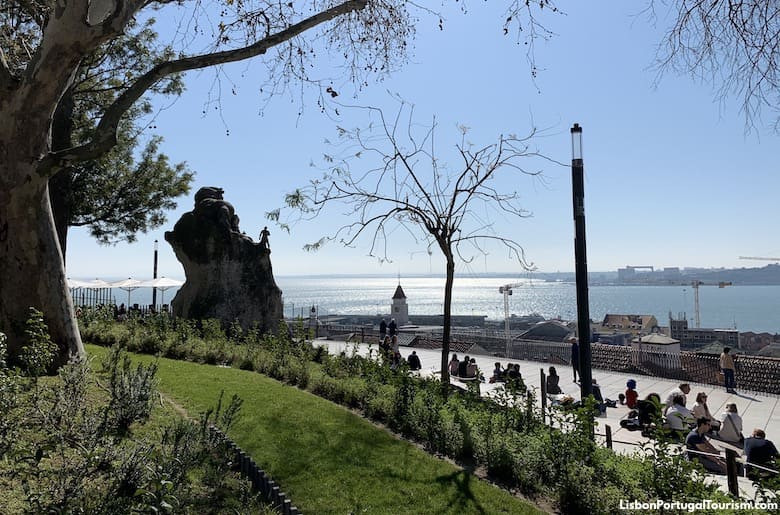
(46, 47)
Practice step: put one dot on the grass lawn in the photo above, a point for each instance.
(325, 457)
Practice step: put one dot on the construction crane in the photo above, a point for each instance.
(695, 285)
(507, 291)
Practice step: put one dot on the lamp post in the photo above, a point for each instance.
(580, 259)
(154, 275)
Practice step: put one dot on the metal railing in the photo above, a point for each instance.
(754, 373)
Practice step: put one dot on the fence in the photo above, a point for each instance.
(755, 373)
(261, 482)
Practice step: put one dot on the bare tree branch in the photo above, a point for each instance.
(733, 45)
(105, 134)
(410, 188)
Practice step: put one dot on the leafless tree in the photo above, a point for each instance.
(43, 44)
(734, 45)
(392, 176)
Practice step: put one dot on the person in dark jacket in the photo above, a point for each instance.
(575, 357)
(463, 367)
(414, 361)
(552, 382)
(392, 328)
(382, 330)
(760, 451)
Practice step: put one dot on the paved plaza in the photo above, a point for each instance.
(757, 410)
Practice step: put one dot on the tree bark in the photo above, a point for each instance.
(445, 338)
(32, 273)
(61, 183)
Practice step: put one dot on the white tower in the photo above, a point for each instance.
(399, 309)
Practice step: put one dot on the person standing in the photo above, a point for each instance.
(575, 357)
(727, 367)
(392, 328)
(382, 330)
(454, 365)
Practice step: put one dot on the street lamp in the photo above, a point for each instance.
(580, 258)
(154, 275)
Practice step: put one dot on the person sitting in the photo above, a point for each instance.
(702, 410)
(552, 383)
(684, 389)
(731, 426)
(384, 346)
(414, 361)
(679, 419)
(454, 364)
(697, 441)
(631, 394)
(759, 451)
(498, 374)
(510, 372)
(463, 367)
(471, 369)
(595, 390)
(648, 413)
(395, 360)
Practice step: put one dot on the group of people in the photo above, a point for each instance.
(502, 375)
(695, 426)
(466, 369)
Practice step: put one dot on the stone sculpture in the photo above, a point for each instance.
(228, 275)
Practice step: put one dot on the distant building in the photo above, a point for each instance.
(657, 349)
(699, 336)
(549, 330)
(634, 324)
(399, 309)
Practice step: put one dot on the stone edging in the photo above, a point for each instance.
(261, 481)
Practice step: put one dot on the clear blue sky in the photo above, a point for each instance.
(672, 178)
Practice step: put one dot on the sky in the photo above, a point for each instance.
(672, 177)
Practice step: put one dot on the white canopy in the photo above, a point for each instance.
(161, 283)
(93, 285)
(128, 285)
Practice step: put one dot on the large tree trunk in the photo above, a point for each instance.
(445, 338)
(31, 270)
(60, 185)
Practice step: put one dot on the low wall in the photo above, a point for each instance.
(756, 373)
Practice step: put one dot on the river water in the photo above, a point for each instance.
(749, 308)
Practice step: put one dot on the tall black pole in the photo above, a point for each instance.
(581, 259)
(154, 276)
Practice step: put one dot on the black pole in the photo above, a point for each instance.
(581, 260)
(154, 276)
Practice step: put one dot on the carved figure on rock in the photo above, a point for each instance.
(264, 238)
(229, 276)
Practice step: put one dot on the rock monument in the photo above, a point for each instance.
(228, 276)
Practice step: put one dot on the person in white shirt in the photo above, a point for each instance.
(731, 425)
(682, 390)
(678, 417)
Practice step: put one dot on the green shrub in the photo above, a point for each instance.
(132, 390)
(38, 353)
